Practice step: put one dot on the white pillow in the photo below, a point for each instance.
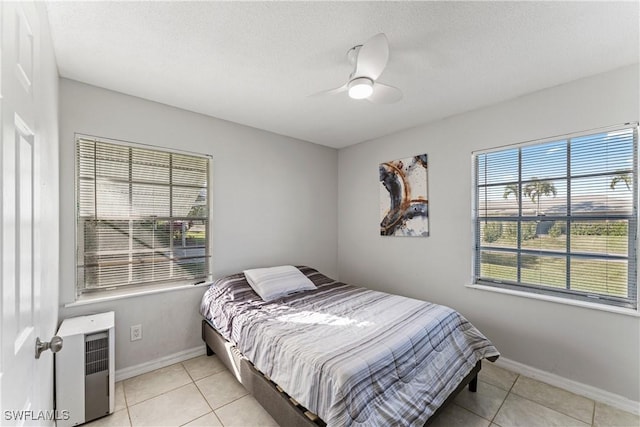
(277, 282)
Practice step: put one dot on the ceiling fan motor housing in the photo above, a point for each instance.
(360, 87)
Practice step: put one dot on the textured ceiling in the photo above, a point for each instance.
(255, 63)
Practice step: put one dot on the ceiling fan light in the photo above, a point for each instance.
(360, 88)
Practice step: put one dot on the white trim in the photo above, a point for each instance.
(99, 297)
(152, 365)
(558, 300)
(581, 389)
(141, 145)
(557, 138)
(576, 387)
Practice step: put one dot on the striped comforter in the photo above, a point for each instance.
(353, 356)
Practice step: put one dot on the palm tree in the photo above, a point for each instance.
(621, 177)
(538, 188)
(511, 189)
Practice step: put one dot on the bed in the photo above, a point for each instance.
(342, 355)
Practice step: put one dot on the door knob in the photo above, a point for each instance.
(54, 345)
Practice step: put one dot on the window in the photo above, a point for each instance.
(559, 217)
(142, 215)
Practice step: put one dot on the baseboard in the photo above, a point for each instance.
(152, 365)
(581, 389)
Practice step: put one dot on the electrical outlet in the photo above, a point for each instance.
(136, 332)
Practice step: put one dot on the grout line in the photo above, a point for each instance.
(469, 411)
(219, 407)
(551, 409)
(193, 381)
(224, 369)
(201, 416)
(188, 373)
(164, 392)
(218, 418)
(203, 396)
(199, 391)
(593, 414)
(124, 395)
(210, 375)
(559, 410)
(213, 411)
(505, 399)
(126, 405)
(234, 400)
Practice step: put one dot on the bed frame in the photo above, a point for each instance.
(282, 407)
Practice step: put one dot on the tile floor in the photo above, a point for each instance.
(201, 392)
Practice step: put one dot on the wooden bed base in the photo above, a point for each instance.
(283, 408)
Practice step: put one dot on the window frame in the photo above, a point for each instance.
(555, 294)
(118, 291)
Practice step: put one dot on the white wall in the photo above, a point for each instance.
(274, 202)
(592, 347)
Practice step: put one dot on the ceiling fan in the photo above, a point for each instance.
(369, 60)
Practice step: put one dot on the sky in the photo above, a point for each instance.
(603, 153)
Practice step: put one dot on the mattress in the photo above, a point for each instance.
(354, 356)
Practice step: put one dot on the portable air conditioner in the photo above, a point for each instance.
(85, 380)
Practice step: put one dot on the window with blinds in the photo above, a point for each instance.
(142, 215)
(559, 217)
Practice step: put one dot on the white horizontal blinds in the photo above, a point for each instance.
(560, 217)
(143, 215)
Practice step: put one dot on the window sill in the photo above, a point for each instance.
(117, 294)
(549, 298)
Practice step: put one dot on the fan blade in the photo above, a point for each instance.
(342, 88)
(384, 94)
(372, 57)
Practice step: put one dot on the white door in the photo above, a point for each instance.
(24, 381)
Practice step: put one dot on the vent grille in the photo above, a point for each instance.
(96, 353)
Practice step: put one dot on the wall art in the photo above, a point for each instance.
(404, 206)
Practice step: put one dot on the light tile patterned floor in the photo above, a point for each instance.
(201, 392)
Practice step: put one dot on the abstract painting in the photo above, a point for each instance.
(403, 197)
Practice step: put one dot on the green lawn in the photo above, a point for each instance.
(595, 276)
(614, 245)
